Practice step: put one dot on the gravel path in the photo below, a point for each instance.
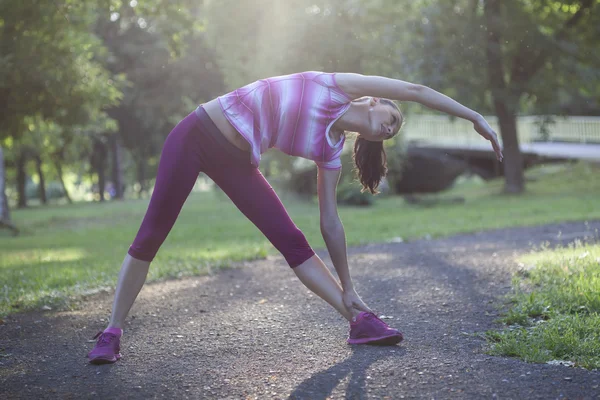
(255, 332)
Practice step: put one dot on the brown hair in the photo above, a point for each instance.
(370, 159)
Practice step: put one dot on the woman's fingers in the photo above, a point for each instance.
(362, 306)
(496, 146)
(483, 128)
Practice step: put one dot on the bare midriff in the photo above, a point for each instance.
(213, 109)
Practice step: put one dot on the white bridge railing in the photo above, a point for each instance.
(442, 131)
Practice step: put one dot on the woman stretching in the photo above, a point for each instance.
(304, 115)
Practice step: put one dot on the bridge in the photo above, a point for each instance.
(567, 137)
(441, 148)
(541, 139)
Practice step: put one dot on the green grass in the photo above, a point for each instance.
(556, 309)
(64, 251)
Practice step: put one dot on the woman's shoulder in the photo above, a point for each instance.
(294, 80)
(328, 79)
(323, 78)
(303, 75)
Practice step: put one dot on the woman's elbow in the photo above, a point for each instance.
(330, 226)
(415, 91)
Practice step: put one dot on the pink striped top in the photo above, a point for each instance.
(292, 113)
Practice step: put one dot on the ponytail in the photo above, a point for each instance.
(371, 163)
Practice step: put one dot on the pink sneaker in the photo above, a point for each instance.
(369, 329)
(106, 350)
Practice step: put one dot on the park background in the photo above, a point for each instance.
(89, 91)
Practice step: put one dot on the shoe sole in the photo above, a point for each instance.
(381, 341)
(100, 360)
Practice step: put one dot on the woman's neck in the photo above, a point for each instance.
(354, 119)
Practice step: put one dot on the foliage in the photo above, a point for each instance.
(54, 190)
(49, 74)
(79, 61)
(538, 50)
(160, 50)
(350, 194)
(49, 64)
(70, 66)
(509, 56)
(257, 39)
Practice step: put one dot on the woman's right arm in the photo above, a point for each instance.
(335, 237)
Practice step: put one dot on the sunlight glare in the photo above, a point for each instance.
(40, 256)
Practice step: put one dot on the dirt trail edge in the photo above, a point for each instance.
(255, 332)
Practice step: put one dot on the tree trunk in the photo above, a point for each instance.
(141, 176)
(99, 163)
(4, 210)
(21, 180)
(59, 171)
(42, 185)
(101, 183)
(505, 101)
(513, 159)
(117, 168)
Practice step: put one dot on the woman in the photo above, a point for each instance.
(304, 115)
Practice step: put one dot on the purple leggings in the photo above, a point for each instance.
(196, 145)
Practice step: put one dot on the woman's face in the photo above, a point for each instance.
(383, 121)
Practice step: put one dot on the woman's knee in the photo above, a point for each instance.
(146, 244)
(294, 247)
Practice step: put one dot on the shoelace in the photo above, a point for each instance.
(373, 315)
(105, 339)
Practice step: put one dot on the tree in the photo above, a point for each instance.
(160, 50)
(56, 70)
(4, 210)
(512, 55)
(47, 66)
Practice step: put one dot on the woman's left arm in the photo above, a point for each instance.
(356, 85)
(331, 225)
(335, 237)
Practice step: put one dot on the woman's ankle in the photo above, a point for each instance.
(114, 330)
(350, 316)
(354, 315)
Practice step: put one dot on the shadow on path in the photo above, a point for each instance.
(321, 384)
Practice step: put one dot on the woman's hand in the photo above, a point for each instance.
(352, 301)
(485, 130)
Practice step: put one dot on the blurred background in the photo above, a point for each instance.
(89, 90)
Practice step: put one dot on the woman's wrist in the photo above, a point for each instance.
(475, 117)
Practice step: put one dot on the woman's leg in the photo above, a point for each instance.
(177, 172)
(315, 275)
(131, 279)
(256, 199)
